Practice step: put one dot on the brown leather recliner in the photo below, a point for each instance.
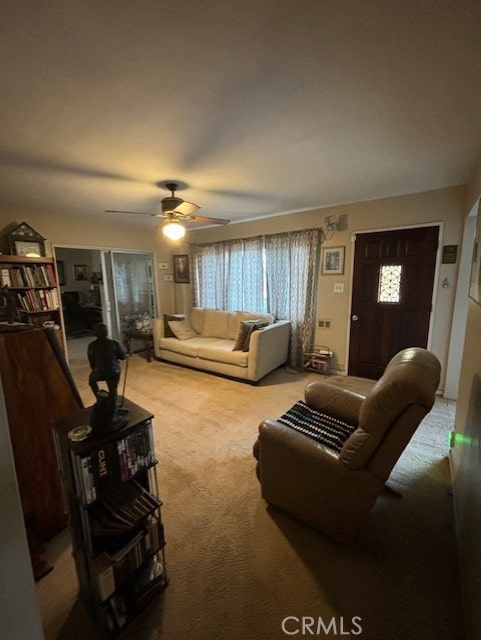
(334, 492)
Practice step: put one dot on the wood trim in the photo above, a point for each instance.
(28, 260)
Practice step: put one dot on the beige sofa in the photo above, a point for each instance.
(210, 338)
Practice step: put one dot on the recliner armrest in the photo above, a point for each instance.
(307, 479)
(335, 401)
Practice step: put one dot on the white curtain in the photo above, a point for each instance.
(275, 273)
(291, 272)
(227, 275)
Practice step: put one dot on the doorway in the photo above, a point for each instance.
(98, 285)
(391, 296)
(129, 290)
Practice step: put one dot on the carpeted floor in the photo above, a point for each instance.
(238, 568)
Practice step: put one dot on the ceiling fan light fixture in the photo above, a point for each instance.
(173, 230)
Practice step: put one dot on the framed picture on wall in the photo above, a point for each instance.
(475, 280)
(80, 272)
(181, 269)
(332, 260)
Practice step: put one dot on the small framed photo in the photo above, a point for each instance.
(80, 272)
(28, 248)
(333, 260)
(181, 269)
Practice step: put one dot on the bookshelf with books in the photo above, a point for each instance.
(115, 518)
(33, 282)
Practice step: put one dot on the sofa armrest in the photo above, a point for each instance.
(158, 333)
(268, 349)
(335, 401)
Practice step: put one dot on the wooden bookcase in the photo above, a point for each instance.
(115, 516)
(34, 283)
(38, 390)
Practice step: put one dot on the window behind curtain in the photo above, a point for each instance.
(275, 273)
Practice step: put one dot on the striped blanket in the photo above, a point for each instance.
(321, 427)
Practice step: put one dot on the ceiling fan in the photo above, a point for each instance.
(176, 210)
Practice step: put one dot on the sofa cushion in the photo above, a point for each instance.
(221, 351)
(215, 323)
(182, 329)
(185, 347)
(169, 318)
(196, 319)
(232, 325)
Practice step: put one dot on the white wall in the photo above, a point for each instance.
(466, 456)
(443, 206)
(106, 232)
(19, 614)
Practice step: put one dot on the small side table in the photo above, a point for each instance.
(147, 338)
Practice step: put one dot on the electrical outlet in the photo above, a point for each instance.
(339, 287)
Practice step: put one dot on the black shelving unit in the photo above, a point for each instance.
(115, 518)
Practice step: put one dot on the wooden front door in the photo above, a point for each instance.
(391, 296)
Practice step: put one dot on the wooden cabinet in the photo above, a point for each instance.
(33, 282)
(115, 514)
(38, 391)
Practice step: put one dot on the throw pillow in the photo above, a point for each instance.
(257, 324)
(175, 318)
(182, 329)
(244, 333)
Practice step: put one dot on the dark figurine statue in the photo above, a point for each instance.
(8, 305)
(104, 355)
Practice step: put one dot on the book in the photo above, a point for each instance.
(104, 574)
(5, 277)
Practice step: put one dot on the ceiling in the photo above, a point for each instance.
(258, 106)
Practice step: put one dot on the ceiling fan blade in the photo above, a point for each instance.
(186, 208)
(140, 213)
(210, 220)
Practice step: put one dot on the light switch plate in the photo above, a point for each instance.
(168, 277)
(339, 287)
(163, 265)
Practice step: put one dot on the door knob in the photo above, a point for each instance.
(354, 318)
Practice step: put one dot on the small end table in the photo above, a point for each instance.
(147, 338)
